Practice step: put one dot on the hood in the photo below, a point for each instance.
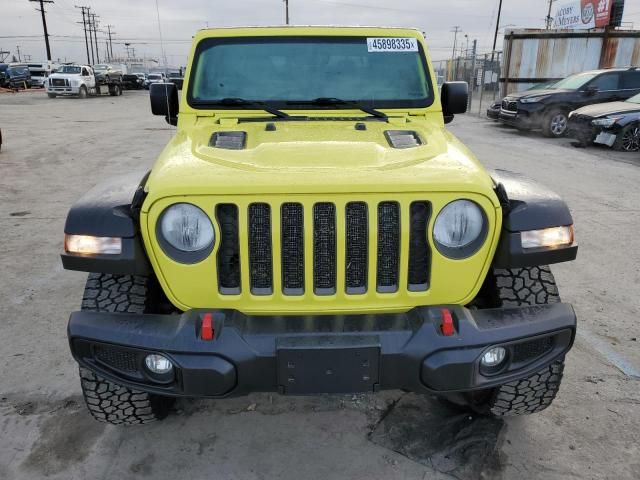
(539, 93)
(315, 157)
(64, 75)
(610, 108)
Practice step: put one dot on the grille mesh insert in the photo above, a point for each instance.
(357, 233)
(229, 251)
(419, 253)
(388, 246)
(525, 351)
(292, 230)
(324, 248)
(260, 258)
(116, 358)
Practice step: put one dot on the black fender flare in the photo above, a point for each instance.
(527, 205)
(110, 209)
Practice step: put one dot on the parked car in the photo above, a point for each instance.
(156, 77)
(39, 73)
(16, 75)
(338, 246)
(106, 73)
(615, 124)
(132, 81)
(176, 77)
(493, 112)
(3, 74)
(549, 109)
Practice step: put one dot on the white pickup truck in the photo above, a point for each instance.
(80, 81)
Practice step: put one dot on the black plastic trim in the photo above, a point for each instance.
(110, 209)
(245, 355)
(528, 205)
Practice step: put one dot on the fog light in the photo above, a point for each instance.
(158, 364)
(493, 357)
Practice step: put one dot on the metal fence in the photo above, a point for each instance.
(481, 72)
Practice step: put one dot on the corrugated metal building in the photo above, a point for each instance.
(535, 56)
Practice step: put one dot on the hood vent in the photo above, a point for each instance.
(228, 140)
(403, 138)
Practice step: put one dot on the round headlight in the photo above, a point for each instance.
(460, 229)
(186, 233)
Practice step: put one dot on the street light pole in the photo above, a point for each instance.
(286, 11)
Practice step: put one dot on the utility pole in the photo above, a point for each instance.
(18, 49)
(455, 31)
(84, 26)
(44, 24)
(549, 18)
(110, 44)
(93, 60)
(495, 36)
(286, 11)
(95, 34)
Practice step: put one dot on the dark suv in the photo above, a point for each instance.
(549, 109)
(16, 76)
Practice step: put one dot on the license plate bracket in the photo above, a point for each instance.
(328, 364)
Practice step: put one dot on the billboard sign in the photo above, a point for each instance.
(583, 14)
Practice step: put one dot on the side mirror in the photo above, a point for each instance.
(590, 91)
(454, 97)
(164, 101)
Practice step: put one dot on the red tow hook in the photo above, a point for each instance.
(447, 327)
(207, 332)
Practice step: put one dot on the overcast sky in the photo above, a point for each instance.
(135, 21)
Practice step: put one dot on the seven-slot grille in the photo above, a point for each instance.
(329, 229)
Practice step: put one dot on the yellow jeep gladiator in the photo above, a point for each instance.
(313, 227)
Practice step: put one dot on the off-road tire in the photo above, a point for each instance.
(520, 287)
(628, 139)
(107, 401)
(82, 93)
(51, 95)
(547, 126)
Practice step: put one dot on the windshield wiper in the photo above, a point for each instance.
(332, 101)
(241, 102)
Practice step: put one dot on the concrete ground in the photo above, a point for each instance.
(55, 150)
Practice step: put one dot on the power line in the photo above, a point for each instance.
(44, 24)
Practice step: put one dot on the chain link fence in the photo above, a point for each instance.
(481, 72)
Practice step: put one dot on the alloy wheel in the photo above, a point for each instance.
(631, 140)
(558, 124)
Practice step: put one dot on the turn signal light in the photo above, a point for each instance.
(92, 245)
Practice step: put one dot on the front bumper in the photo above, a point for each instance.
(527, 116)
(63, 90)
(321, 354)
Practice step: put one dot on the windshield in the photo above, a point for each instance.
(174, 75)
(634, 99)
(100, 67)
(68, 69)
(574, 81)
(154, 77)
(293, 70)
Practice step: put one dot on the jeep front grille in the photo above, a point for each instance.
(292, 249)
(334, 237)
(509, 105)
